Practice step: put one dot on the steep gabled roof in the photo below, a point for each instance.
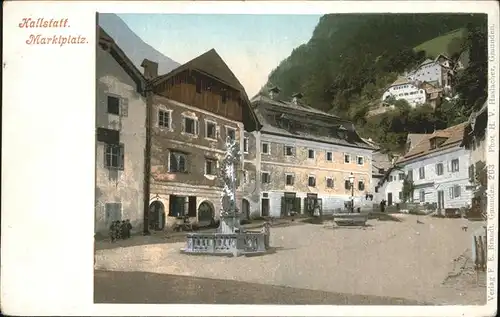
(209, 63)
(427, 61)
(453, 137)
(122, 59)
(401, 81)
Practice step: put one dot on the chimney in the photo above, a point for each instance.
(273, 92)
(296, 97)
(150, 69)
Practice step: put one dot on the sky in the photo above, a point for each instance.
(251, 45)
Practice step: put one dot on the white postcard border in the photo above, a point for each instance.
(49, 89)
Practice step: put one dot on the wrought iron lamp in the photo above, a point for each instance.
(351, 181)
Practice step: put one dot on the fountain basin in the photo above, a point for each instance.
(218, 243)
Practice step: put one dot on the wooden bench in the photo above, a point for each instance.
(350, 219)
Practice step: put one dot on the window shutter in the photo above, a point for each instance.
(450, 192)
(283, 211)
(458, 189)
(449, 166)
(183, 124)
(284, 149)
(124, 107)
(192, 206)
(196, 127)
(122, 156)
(105, 150)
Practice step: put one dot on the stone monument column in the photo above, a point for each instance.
(229, 215)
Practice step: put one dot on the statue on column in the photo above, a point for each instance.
(228, 176)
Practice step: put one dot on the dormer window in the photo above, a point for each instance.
(342, 132)
(436, 142)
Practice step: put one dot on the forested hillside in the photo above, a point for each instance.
(351, 59)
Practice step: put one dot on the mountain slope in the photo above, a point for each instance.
(348, 52)
(135, 48)
(351, 59)
(448, 43)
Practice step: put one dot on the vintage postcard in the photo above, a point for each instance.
(250, 158)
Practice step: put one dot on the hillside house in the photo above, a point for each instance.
(439, 168)
(120, 137)
(301, 157)
(438, 72)
(407, 90)
(196, 107)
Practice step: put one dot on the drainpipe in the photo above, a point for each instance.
(147, 157)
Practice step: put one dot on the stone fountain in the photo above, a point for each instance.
(230, 238)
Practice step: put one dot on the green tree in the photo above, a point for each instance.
(408, 189)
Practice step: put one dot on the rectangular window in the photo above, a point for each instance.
(455, 191)
(360, 160)
(245, 145)
(361, 185)
(266, 148)
(231, 133)
(311, 181)
(310, 154)
(439, 169)
(210, 167)
(164, 119)
(421, 172)
(329, 182)
(401, 176)
(210, 130)
(472, 175)
(114, 156)
(190, 126)
(245, 177)
(347, 158)
(422, 196)
(265, 177)
(376, 189)
(455, 165)
(113, 105)
(329, 156)
(410, 175)
(288, 150)
(177, 162)
(347, 184)
(400, 195)
(289, 179)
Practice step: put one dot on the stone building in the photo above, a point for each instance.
(120, 137)
(195, 108)
(439, 72)
(405, 89)
(301, 157)
(438, 166)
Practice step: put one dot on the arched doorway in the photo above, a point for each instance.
(205, 213)
(245, 208)
(156, 215)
